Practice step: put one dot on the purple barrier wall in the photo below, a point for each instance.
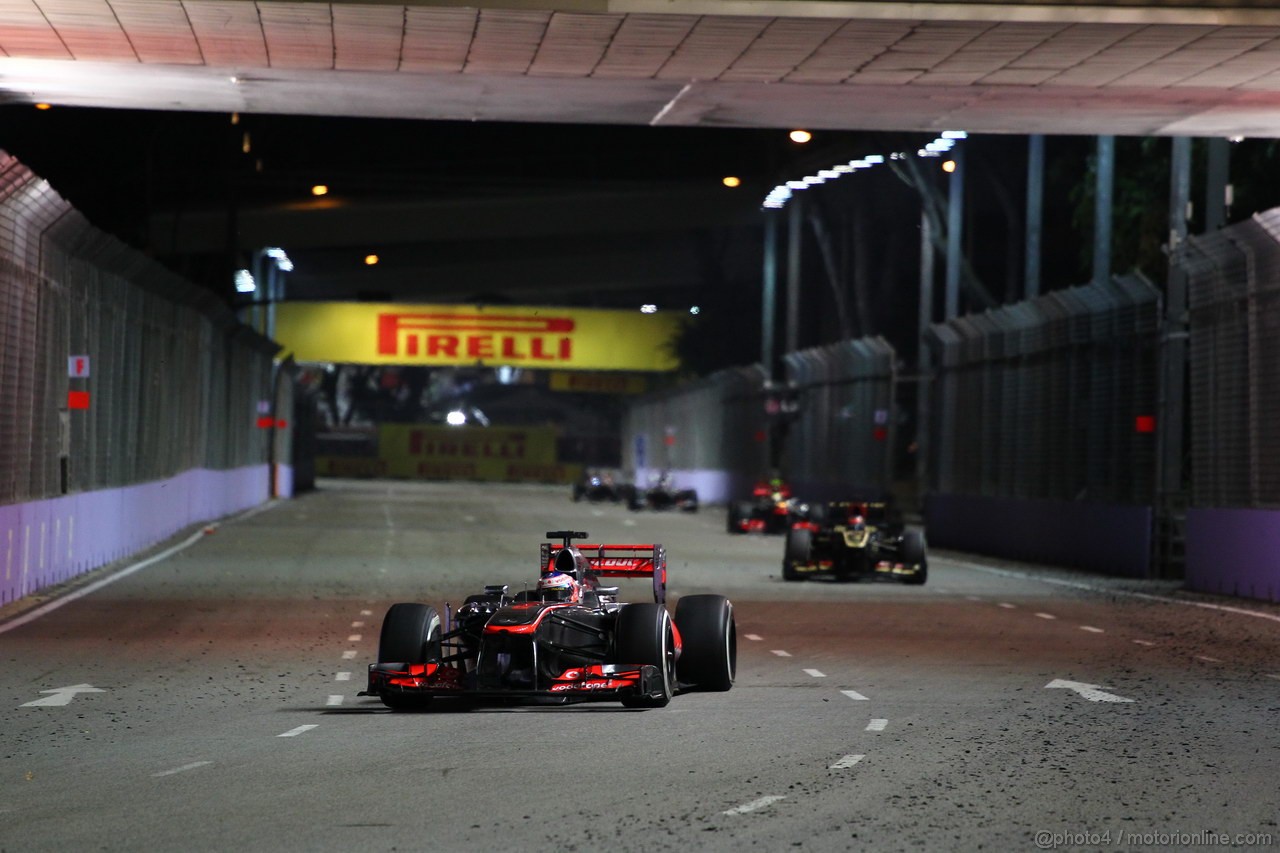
(1105, 538)
(1234, 552)
(46, 542)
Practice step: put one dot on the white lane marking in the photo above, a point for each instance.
(334, 699)
(598, 513)
(1007, 606)
(1102, 590)
(354, 638)
(342, 676)
(877, 725)
(183, 769)
(1209, 659)
(816, 673)
(1046, 616)
(469, 519)
(780, 653)
(124, 573)
(61, 696)
(1092, 692)
(299, 730)
(754, 637)
(629, 522)
(755, 805)
(1091, 629)
(1144, 642)
(366, 612)
(855, 695)
(846, 762)
(357, 624)
(349, 654)
(1276, 676)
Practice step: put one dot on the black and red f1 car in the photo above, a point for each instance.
(854, 540)
(770, 510)
(663, 494)
(569, 640)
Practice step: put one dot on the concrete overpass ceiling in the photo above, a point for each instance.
(1144, 68)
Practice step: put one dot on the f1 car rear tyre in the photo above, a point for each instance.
(912, 547)
(709, 659)
(739, 511)
(410, 634)
(644, 636)
(797, 550)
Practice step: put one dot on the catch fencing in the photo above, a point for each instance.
(1233, 521)
(115, 374)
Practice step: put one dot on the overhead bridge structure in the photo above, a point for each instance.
(1151, 68)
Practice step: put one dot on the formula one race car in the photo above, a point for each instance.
(568, 640)
(600, 486)
(770, 510)
(663, 494)
(851, 541)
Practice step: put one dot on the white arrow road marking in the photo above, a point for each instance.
(755, 805)
(877, 725)
(299, 730)
(183, 769)
(816, 673)
(855, 695)
(60, 696)
(846, 762)
(1092, 692)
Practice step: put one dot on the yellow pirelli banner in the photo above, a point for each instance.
(504, 454)
(503, 335)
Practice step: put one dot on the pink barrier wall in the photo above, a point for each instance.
(46, 542)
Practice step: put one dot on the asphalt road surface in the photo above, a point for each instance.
(206, 701)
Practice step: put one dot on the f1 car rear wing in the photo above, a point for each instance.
(618, 561)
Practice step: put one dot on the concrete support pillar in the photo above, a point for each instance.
(769, 298)
(1102, 204)
(955, 232)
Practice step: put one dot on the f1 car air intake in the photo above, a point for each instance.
(567, 640)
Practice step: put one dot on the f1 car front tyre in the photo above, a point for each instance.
(644, 636)
(410, 634)
(797, 550)
(709, 658)
(913, 551)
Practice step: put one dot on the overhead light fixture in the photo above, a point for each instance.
(371, 260)
(800, 136)
(320, 189)
(949, 166)
(43, 106)
(244, 282)
(695, 310)
(648, 308)
(732, 181)
(456, 418)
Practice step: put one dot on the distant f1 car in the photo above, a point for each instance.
(663, 494)
(770, 510)
(568, 640)
(851, 541)
(596, 487)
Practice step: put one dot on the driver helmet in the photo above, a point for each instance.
(558, 585)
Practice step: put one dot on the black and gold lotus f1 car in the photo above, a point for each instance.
(851, 540)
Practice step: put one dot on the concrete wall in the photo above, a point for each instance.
(1105, 538)
(43, 543)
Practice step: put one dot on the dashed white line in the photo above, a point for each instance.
(855, 695)
(349, 654)
(299, 730)
(183, 769)
(755, 805)
(753, 637)
(469, 519)
(816, 673)
(366, 612)
(877, 725)
(846, 762)
(629, 522)
(342, 676)
(1046, 616)
(1209, 659)
(1144, 642)
(1007, 606)
(780, 653)
(1276, 676)
(334, 699)
(1091, 629)
(357, 624)
(354, 638)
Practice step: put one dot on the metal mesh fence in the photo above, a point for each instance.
(1050, 398)
(173, 382)
(1234, 302)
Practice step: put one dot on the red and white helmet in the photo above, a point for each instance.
(558, 585)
